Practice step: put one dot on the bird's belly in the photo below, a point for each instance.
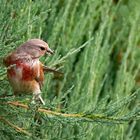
(22, 80)
(20, 86)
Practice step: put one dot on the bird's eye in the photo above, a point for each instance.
(42, 48)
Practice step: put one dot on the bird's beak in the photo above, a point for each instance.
(49, 51)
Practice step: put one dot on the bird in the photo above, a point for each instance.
(25, 72)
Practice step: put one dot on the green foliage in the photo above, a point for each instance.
(96, 45)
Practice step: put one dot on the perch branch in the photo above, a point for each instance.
(84, 117)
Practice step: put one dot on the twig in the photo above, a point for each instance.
(48, 112)
(18, 129)
(6, 96)
(71, 52)
(84, 117)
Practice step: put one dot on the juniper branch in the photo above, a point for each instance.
(17, 128)
(76, 117)
(71, 52)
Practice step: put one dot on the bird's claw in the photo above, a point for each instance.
(36, 98)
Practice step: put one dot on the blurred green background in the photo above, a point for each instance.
(97, 47)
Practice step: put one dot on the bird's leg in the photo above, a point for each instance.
(40, 98)
(37, 97)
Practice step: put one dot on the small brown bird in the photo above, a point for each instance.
(24, 70)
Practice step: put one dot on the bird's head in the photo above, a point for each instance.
(35, 47)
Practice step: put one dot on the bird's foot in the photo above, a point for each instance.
(37, 97)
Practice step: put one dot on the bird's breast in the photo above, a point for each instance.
(30, 71)
(25, 71)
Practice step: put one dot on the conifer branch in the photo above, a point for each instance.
(77, 116)
(17, 128)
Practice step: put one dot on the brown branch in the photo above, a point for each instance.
(18, 129)
(54, 71)
(44, 110)
(84, 117)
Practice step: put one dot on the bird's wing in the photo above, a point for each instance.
(38, 73)
(14, 58)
